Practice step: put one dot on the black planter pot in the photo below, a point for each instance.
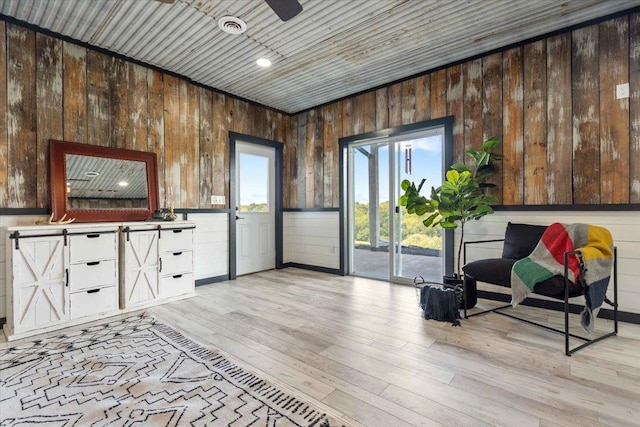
(472, 289)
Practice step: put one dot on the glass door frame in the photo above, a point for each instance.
(394, 186)
(346, 196)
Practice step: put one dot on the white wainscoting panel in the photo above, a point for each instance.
(624, 226)
(210, 244)
(312, 238)
(9, 221)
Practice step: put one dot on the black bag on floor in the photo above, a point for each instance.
(440, 303)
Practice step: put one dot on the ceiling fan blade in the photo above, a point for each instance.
(166, 1)
(285, 9)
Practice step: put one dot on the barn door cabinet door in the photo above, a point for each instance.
(140, 281)
(37, 283)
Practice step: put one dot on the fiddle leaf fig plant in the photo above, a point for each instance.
(461, 198)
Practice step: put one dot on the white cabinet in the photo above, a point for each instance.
(157, 262)
(63, 275)
(56, 276)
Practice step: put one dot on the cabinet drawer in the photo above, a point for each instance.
(177, 262)
(94, 301)
(92, 274)
(176, 240)
(89, 247)
(175, 285)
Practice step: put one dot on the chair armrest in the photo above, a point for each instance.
(464, 251)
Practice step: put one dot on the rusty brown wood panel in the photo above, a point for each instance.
(535, 123)
(492, 110)
(171, 96)
(472, 96)
(155, 134)
(394, 104)
(190, 159)
(269, 128)
(512, 145)
(21, 118)
(438, 103)
(74, 90)
(455, 108)
(182, 150)
(634, 107)
(318, 161)
(206, 148)
(423, 98)
(49, 107)
(311, 167)
(98, 99)
(4, 147)
(559, 121)
(408, 101)
(586, 115)
(301, 160)
(328, 168)
(332, 122)
(382, 108)
(290, 169)
(222, 122)
(119, 93)
(368, 103)
(348, 119)
(137, 111)
(614, 119)
(356, 116)
(241, 120)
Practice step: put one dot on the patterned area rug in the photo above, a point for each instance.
(138, 372)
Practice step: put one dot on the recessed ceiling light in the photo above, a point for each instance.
(263, 62)
(232, 25)
(123, 183)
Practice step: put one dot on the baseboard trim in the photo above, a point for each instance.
(604, 313)
(313, 268)
(209, 280)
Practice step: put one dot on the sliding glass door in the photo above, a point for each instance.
(386, 242)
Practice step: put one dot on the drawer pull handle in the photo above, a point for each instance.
(93, 291)
(92, 236)
(177, 231)
(177, 276)
(93, 263)
(177, 253)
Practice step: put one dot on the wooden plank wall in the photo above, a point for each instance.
(50, 89)
(565, 138)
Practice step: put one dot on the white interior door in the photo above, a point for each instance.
(255, 212)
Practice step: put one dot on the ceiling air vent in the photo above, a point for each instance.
(232, 25)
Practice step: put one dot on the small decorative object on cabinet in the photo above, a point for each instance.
(156, 262)
(59, 275)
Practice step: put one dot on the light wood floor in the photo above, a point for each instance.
(360, 349)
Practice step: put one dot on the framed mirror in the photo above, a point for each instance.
(93, 183)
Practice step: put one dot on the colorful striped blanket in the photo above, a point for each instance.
(595, 245)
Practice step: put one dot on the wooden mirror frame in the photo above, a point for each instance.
(58, 187)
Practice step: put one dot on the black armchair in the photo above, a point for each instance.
(520, 240)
